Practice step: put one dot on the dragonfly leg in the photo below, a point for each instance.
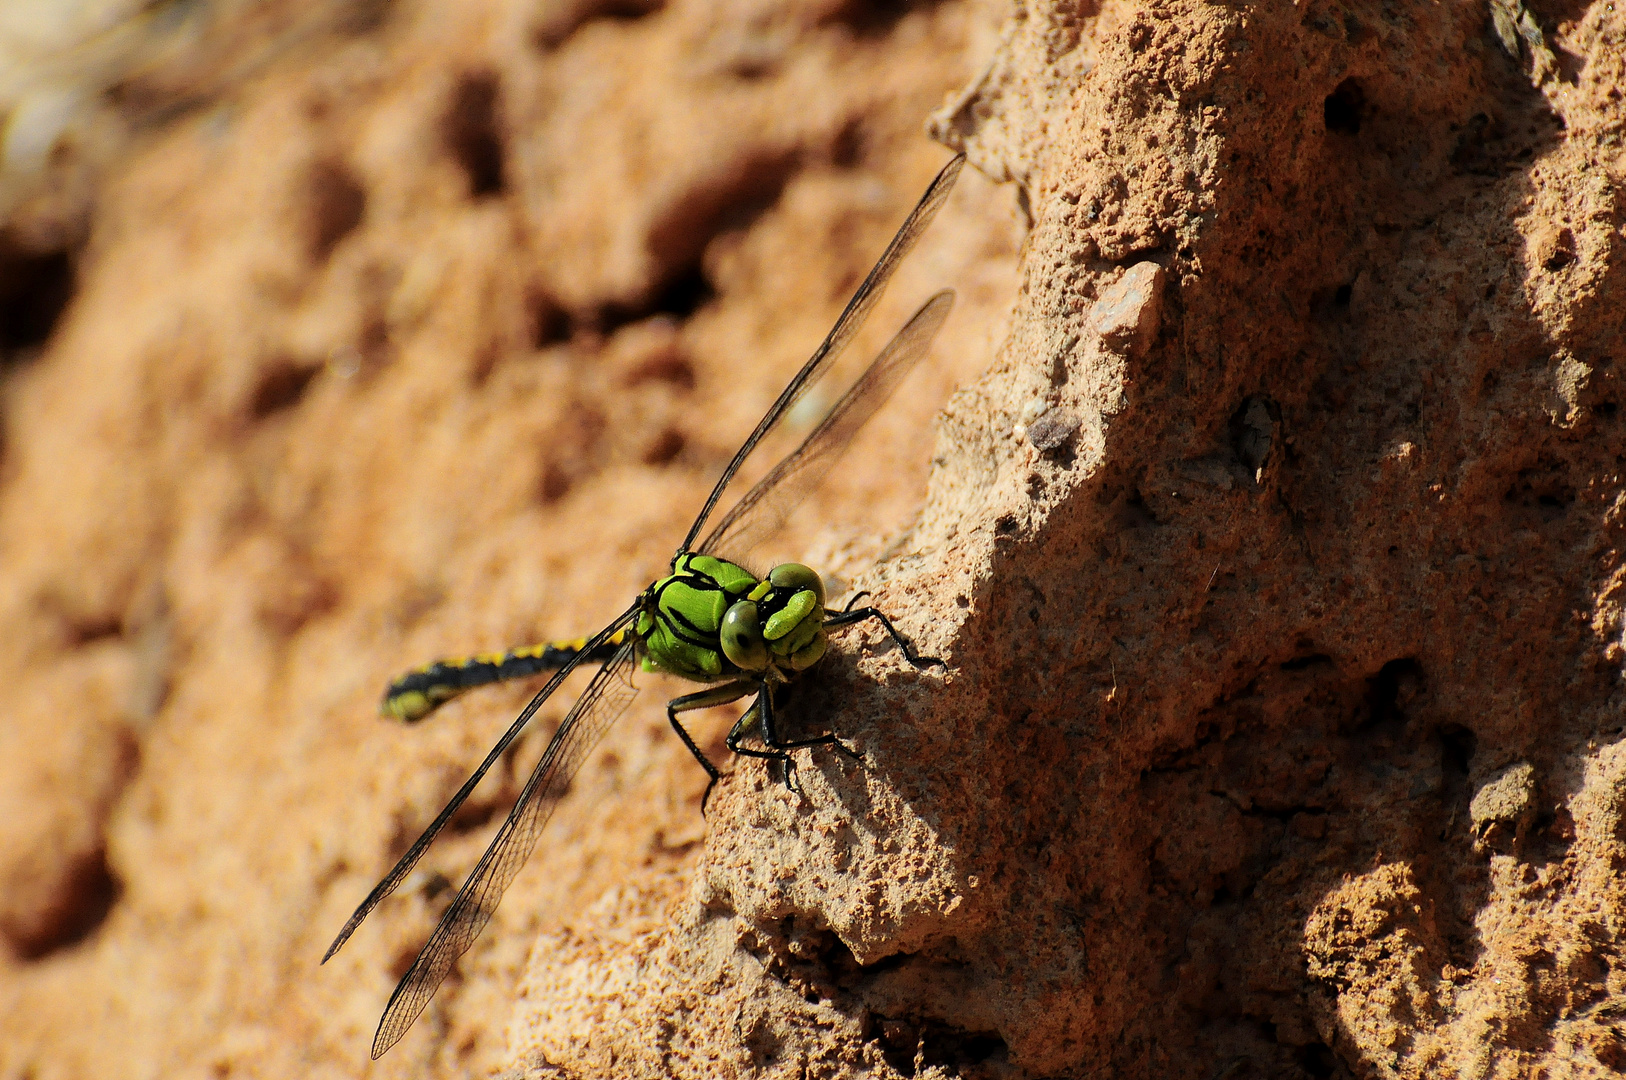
(850, 615)
(779, 749)
(752, 718)
(705, 699)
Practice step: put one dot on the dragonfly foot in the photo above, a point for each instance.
(788, 763)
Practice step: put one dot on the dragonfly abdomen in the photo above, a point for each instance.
(421, 691)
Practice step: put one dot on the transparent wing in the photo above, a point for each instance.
(394, 878)
(841, 335)
(765, 507)
(600, 705)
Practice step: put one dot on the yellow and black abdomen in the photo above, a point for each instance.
(421, 691)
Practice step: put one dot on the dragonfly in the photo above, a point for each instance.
(709, 620)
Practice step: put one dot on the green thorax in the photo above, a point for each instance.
(710, 619)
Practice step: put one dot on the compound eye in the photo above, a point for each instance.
(793, 577)
(741, 635)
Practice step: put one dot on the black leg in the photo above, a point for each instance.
(705, 699)
(742, 727)
(781, 747)
(852, 615)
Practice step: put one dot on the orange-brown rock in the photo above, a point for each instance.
(1273, 537)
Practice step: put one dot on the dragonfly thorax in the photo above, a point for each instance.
(712, 619)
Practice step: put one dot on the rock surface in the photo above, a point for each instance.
(1273, 542)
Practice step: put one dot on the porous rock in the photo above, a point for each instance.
(429, 335)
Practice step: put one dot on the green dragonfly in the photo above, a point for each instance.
(709, 620)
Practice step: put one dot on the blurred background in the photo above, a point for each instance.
(337, 336)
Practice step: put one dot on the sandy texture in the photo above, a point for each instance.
(1274, 544)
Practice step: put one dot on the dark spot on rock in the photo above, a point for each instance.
(668, 365)
(680, 298)
(34, 291)
(873, 18)
(1253, 433)
(1317, 1060)
(361, 17)
(472, 136)
(1390, 692)
(86, 895)
(1457, 746)
(1559, 251)
(910, 1042)
(665, 446)
(1342, 109)
(1053, 429)
(338, 203)
(555, 483)
(550, 324)
(566, 19)
(847, 148)
(282, 384)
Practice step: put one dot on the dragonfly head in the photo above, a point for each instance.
(780, 622)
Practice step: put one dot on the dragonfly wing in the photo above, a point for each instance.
(841, 335)
(600, 705)
(765, 507)
(394, 878)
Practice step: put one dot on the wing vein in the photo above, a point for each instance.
(765, 507)
(393, 879)
(846, 328)
(601, 704)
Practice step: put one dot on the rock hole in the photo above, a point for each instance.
(1341, 295)
(34, 291)
(90, 630)
(847, 148)
(1253, 431)
(1317, 1059)
(472, 135)
(871, 18)
(1457, 746)
(671, 366)
(476, 814)
(1472, 153)
(917, 1047)
(88, 893)
(558, 28)
(402, 962)
(679, 298)
(1544, 490)
(1301, 663)
(728, 199)
(281, 387)
(1341, 111)
(664, 447)
(1391, 690)
(1561, 251)
(555, 483)
(361, 17)
(338, 203)
(550, 324)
